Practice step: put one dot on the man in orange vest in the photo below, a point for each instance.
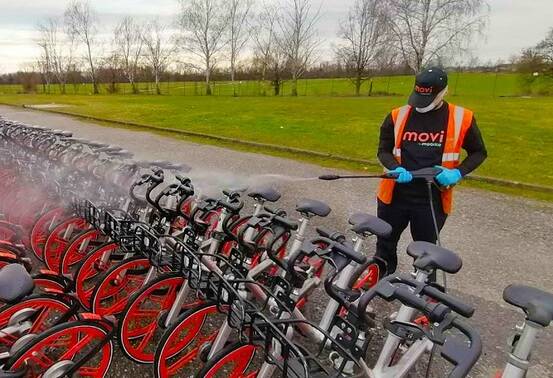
(428, 132)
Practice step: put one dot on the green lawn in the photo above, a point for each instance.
(481, 84)
(518, 131)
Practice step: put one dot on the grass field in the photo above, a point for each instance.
(462, 84)
(518, 131)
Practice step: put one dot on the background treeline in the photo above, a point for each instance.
(215, 44)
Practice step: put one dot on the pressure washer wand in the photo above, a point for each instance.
(337, 177)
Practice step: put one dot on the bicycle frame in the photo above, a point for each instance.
(382, 368)
(518, 360)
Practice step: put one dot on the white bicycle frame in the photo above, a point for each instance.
(518, 360)
(212, 245)
(382, 368)
(330, 310)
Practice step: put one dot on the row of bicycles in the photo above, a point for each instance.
(101, 251)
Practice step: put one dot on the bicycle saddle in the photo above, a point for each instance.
(311, 207)
(15, 283)
(363, 223)
(429, 256)
(536, 303)
(266, 193)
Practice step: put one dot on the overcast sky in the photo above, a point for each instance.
(514, 24)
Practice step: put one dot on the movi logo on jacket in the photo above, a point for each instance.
(424, 138)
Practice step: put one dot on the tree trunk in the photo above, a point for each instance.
(158, 89)
(207, 83)
(232, 77)
(207, 78)
(295, 87)
(92, 70)
(276, 86)
(358, 83)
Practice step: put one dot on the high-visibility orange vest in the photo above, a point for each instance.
(460, 120)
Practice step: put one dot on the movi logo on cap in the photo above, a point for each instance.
(423, 90)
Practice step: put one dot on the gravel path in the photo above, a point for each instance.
(502, 239)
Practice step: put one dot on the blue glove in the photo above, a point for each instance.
(403, 175)
(448, 177)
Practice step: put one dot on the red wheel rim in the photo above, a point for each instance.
(91, 269)
(235, 364)
(138, 327)
(113, 292)
(44, 284)
(369, 278)
(7, 234)
(40, 230)
(182, 346)
(56, 244)
(68, 344)
(4, 260)
(48, 312)
(74, 253)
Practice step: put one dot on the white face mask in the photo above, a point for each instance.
(435, 104)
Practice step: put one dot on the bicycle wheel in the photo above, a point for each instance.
(46, 281)
(7, 259)
(41, 229)
(368, 274)
(66, 343)
(48, 309)
(56, 243)
(141, 324)
(78, 249)
(115, 287)
(187, 342)
(91, 270)
(236, 360)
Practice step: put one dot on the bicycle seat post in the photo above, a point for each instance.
(299, 235)
(518, 359)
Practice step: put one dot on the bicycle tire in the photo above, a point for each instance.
(173, 343)
(49, 341)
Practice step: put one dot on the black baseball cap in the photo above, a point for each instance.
(428, 84)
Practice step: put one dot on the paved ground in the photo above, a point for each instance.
(502, 239)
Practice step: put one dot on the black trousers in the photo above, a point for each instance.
(400, 215)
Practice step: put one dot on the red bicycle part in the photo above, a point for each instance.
(78, 249)
(66, 342)
(139, 320)
(181, 344)
(58, 240)
(111, 294)
(90, 271)
(42, 228)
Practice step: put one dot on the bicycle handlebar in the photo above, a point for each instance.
(460, 354)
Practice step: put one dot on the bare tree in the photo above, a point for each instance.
(426, 29)
(59, 47)
(545, 50)
(298, 37)
(110, 72)
(238, 33)
(44, 65)
(264, 33)
(128, 42)
(158, 50)
(364, 36)
(81, 21)
(203, 24)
